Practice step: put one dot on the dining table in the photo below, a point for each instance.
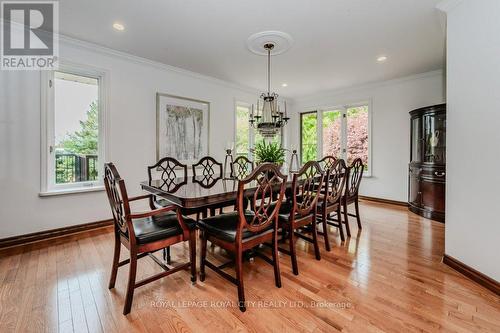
(201, 191)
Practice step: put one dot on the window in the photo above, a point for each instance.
(308, 136)
(73, 146)
(342, 132)
(247, 137)
(242, 144)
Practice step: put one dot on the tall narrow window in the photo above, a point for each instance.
(357, 134)
(342, 132)
(309, 141)
(242, 144)
(74, 152)
(332, 133)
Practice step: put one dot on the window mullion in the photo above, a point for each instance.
(50, 130)
(344, 133)
(319, 134)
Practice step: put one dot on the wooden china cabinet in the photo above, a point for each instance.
(427, 169)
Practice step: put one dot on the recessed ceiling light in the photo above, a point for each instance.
(284, 84)
(118, 26)
(381, 58)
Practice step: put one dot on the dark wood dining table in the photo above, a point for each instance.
(199, 192)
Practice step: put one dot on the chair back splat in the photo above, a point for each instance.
(327, 162)
(355, 175)
(306, 187)
(335, 180)
(117, 196)
(241, 167)
(207, 171)
(269, 180)
(172, 173)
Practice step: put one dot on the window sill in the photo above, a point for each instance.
(71, 191)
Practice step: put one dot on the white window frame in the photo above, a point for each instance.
(251, 131)
(47, 168)
(343, 109)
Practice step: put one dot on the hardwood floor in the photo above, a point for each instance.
(386, 278)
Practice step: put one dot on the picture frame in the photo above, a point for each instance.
(182, 128)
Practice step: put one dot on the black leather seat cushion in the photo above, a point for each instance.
(224, 226)
(151, 229)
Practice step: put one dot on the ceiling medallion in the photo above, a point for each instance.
(282, 42)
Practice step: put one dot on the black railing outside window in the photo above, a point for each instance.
(71, 168)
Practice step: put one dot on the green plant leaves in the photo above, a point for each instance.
(269, 152)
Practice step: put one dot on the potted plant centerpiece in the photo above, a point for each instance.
(269, 152)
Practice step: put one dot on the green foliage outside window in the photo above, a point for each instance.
(309, 137)
(76, 154)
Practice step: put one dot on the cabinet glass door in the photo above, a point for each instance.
(435, 139)
(416, 137)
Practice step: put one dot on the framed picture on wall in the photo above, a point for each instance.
(182, 128)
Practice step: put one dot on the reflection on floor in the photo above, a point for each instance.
(387, 277)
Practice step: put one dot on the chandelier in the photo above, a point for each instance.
(268, 118)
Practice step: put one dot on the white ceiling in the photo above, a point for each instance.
(336, 41)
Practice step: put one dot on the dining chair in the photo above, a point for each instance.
(245, 229)
(144, 233)
(330, 199)
(207, 167)
(207, 172)
(299, 210)
(327, 162)
(173, 175)
(351, 193)
(241, 167)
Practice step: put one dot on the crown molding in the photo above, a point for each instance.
(447, 6)
(77, 43)
(370, 85)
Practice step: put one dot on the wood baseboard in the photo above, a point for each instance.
(472, 274)
(53, 233)
(387, 201)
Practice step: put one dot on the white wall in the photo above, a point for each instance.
(391, 101)
(473, 180)
(132, 88)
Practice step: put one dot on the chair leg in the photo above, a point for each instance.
(239, 277)
(325, 231)
(356, 206)
(204, 214)
(347, 229)
(131, 283)
(341, 228)
(203, 255)
(192, 254)
(315, 238)
(116, 260)
(212, 211)
(293, 255)
(166, 255)
(276, 262)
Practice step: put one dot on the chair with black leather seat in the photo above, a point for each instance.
(351, 193)
(330, 199)
(241, 167)
(244, 229)
(145, 233)
(173, 175)
(206, 172)
(299, 211)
